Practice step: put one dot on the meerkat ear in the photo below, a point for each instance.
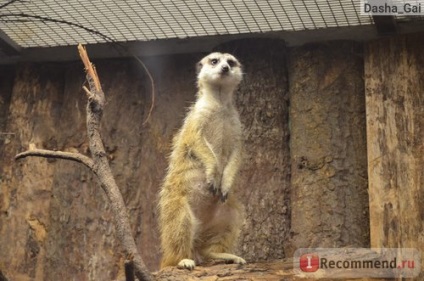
(199, 66)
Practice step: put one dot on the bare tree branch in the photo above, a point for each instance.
(77, 157)
(104, 174)
(152, 84)
(99, 165)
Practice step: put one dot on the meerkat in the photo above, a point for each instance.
(200, 217)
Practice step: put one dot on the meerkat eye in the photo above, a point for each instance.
(231, 63)
(214, 61)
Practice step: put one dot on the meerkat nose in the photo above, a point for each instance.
(225, 68)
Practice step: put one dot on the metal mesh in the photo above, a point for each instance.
(59, 23)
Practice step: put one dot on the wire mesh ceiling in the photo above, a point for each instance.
(50, 23)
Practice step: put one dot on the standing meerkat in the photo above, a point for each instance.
(200, 218)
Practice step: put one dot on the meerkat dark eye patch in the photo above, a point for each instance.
(231, 63)
(214, 61)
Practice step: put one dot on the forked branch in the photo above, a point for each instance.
(99, 165)
(80, 158)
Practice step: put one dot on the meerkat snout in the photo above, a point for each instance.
(225, 69)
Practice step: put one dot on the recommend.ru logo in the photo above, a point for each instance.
(357, 262)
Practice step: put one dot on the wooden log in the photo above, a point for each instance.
(25, 203)
(276, 270)
(394, 81)
(328, 149)
(273, 270)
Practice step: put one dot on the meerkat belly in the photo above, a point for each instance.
(222, 133)
(205, 208)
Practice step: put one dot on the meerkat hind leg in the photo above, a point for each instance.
(178, 231)
(227, 257)
(223, 233)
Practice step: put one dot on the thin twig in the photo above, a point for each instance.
(48, 19)
(8, 3)
(92, 31)
(77, 157)
(152, 83)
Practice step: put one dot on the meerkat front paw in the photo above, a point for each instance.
(227, 183)
(214, 185)
(225, 189)
(186, 264)
(218, 190)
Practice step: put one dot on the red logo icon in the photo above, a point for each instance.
(309, 262)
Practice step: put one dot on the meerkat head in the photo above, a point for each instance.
(218, 69)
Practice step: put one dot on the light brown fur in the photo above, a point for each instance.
(199, 215)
